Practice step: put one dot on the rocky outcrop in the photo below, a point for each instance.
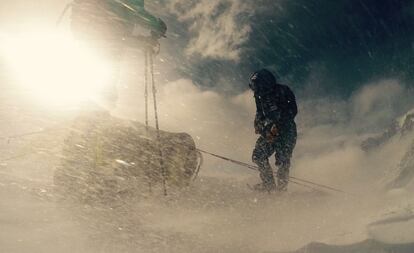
(373, 143)
(400, 127)
(405, 170)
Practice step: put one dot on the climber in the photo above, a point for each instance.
(274, 121)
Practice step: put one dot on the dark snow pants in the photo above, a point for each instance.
(282, 147)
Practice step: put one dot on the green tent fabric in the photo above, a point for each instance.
(112, 19)
(134, 11)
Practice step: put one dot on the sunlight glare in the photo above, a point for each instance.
(55, 69)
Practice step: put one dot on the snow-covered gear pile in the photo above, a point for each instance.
(104, 156)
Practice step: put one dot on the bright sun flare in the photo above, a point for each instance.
(53, 68)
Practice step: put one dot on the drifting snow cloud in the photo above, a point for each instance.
(220, 27)
(379, 102)
(371, 108)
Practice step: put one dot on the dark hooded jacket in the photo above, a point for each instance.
(276, 106)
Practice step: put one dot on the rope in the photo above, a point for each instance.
(251, 167)
(321, 185)
(303, 185)
(157, 127)
(146, 88)
(291, 179)
(62, 15)
(200, 159)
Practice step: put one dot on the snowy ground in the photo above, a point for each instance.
(214, 215)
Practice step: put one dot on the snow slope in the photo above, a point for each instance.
(367, 246)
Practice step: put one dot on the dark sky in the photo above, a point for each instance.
(317, 46)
